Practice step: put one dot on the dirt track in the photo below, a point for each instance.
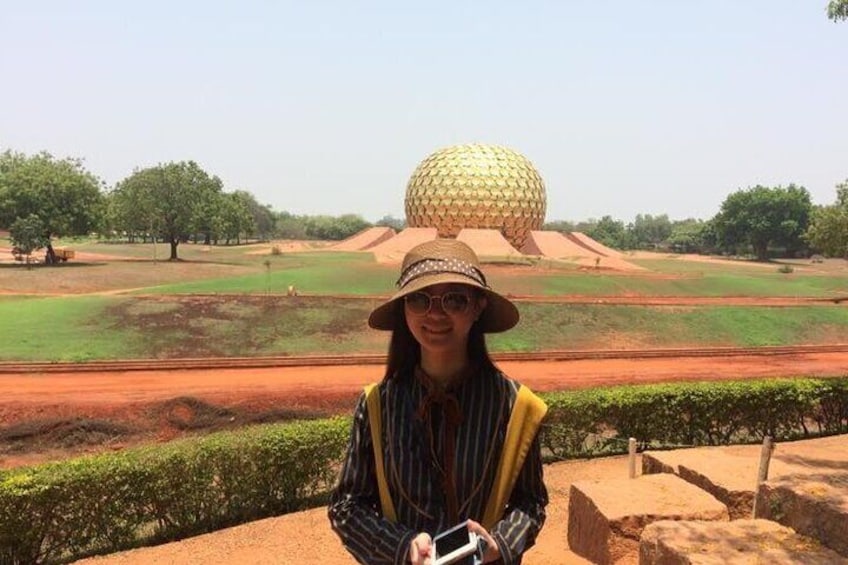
(110, 387)
(316, 377)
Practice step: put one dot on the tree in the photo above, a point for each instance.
(763, 216)
(390, 221)
(610, 232)
(65, 197)
(334, 228)
(688, 236)
(650, 231)
(828, 231)
(562, 226)
(129, 210)
(208, 212)
(289, 226)
(28, 235)
(837, 10)
(234, 218)
(168, 197)
(263, 216)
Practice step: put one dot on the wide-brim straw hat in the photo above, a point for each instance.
(445, 261)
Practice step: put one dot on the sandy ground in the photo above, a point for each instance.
(306, 537)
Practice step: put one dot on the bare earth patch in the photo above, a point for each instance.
(81, 277)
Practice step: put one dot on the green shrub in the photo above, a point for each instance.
(600, 421)
(65, 510)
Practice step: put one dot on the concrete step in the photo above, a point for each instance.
(740, 542)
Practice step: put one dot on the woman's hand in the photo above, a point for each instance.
(493, 552)
(421, 549)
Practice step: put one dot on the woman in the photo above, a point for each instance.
(445, 437)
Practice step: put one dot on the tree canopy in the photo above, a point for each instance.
(837, 10)
(262, 215)
(763, 216)
(828, 231)
(28, 235)
(690, 236)
(611, 232)
(649, 231)
(173, 200)
(65, 198)
(390, 221)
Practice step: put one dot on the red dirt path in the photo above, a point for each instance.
(138, 399)
(314, 384)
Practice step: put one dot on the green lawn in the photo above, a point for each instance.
(710, 284)
(110, 327)
(312, 273)
(358, 273)
(63, 329)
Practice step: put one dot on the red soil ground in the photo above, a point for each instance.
(163, 404)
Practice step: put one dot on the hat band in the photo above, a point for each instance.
(439, 266)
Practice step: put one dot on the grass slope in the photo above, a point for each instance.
(251, 315)
(108, 327)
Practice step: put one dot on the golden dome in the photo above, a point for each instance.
(476, 186)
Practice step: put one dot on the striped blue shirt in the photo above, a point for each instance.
(413, 455)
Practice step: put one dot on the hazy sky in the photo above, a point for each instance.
(327, 107)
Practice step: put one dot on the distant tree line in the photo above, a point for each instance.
(42, 197)
(761, 221)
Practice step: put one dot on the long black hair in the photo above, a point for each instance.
(405, 351)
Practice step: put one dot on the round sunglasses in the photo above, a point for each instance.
(419, 303)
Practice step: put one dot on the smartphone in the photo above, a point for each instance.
(454, 544)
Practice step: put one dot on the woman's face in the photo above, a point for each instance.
(440, 316)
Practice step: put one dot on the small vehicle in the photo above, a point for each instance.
(63, 254)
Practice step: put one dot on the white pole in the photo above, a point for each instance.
(631, 459)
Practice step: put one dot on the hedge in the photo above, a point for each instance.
(599, 421)
(66, 510)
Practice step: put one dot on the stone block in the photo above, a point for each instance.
(728, 477)
(813, 505)
(606, 518)
(741, 542)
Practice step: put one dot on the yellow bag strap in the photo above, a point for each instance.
(375, 419)
(527, 414)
